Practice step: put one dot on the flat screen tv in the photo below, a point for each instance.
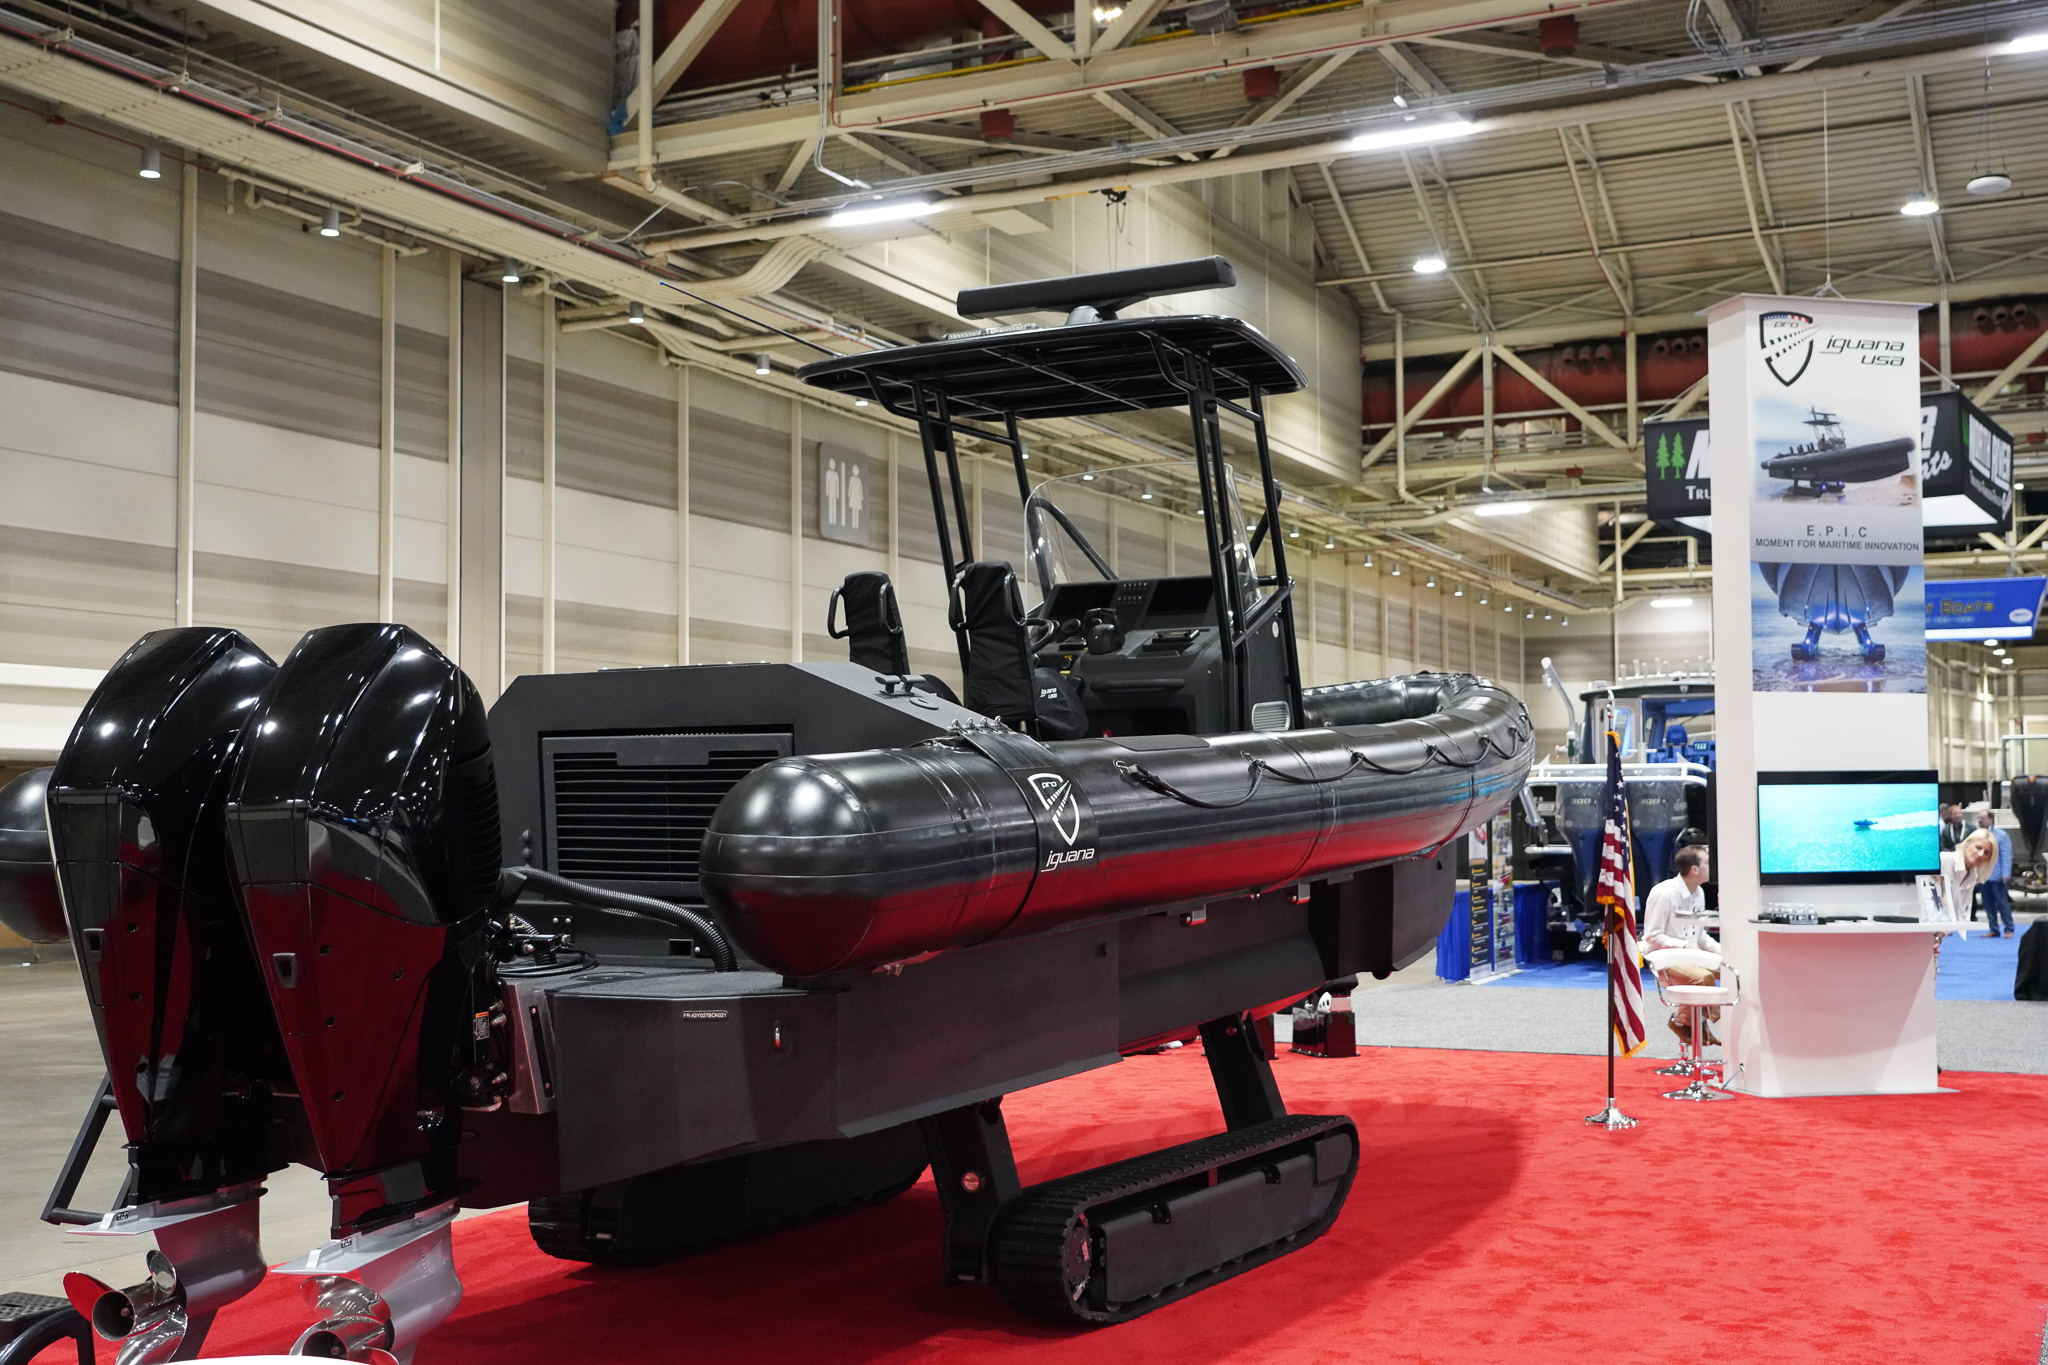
(1830, 828)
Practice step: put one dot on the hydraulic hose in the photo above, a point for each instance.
(515, 880)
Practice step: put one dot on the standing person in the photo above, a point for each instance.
(1997, 902)
(1952, 831)
(1675, 916)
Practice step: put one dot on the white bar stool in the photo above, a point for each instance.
(1696, 999)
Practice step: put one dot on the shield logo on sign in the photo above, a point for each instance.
(1787, 342)
(1056, 794)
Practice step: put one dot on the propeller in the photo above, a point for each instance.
(355, 1321)
(148, 1319)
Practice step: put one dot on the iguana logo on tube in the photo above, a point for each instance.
(1787, 342)
(1056, 794)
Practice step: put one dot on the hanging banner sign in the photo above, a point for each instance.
(1678, 467)
(1965, 469)
(1984, 608)
(1966, 459)
(1832, 393)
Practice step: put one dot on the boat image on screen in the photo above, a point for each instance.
(1841, 828)
(1828, 462)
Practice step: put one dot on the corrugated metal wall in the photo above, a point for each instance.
(286, 441)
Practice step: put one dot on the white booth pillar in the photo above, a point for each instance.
(1825, 1009)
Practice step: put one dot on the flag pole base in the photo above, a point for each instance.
(1611, 1118)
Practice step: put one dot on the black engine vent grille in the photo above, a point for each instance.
(630, 810)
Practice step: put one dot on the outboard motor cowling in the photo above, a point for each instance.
(363, 823)
(136, 802)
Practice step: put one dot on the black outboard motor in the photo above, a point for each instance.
(1656, 817)
(136, 803)
(29, 903)
(194, 1059)
(1584, 821)
(363, 822)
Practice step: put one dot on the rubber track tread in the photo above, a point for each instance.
(1031, 1236)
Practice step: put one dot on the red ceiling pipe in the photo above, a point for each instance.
(1985, 338)
(1261, 83)
(770, 37)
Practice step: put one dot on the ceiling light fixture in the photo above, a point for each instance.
(1998, 654)
(1108, 14)
(1991, 644)
(1669, 603)
(1509, 609)
(887, 211)
(1431, 264)
(1413, 135)
(330, 223)
(1458, 590)
(1482, 599)
(1394, 569)
(636, 314)
(1088, 476)
(1368, 559)
(1330, 542)
(1503, 509)
(1920, 206)
(1564, 620)
(152, 167)
(2006, 662)
(761, 365)
(1431, 583)
(1546, 616)
(1991, 182)
(1146, 496)
(508, 271)
(860, 402)
(1532, 614)
(1295, 534)
(2027, 42)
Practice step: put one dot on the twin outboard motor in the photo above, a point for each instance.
(277, 880)
(1656, 816)
(363, 824)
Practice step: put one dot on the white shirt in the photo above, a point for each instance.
(1675, 916)
(1958, 880)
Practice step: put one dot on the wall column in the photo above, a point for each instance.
(481, 480)
(682, 514)
(188, 390)
(387, 439)
(796, 531)
(454, 490)
(550, 334)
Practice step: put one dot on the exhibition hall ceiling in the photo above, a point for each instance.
(1572, 171)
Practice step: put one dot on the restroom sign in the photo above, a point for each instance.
(845, 495)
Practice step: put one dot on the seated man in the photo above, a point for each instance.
(1675, 916)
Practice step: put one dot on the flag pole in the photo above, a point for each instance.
(1610, 1117)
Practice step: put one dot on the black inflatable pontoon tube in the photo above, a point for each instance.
(516, 879)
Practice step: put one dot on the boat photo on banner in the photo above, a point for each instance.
(1837, 599)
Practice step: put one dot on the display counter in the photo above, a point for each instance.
(1843, 1009)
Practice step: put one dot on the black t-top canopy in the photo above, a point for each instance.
(1074, 371)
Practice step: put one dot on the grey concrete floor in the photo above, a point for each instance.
(49, 1068)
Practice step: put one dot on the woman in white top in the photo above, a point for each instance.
(1963, 867)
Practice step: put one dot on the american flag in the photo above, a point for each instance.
(1617, 891)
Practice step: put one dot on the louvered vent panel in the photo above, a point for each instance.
(634, 810)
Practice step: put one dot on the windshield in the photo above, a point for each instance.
(1067, 521)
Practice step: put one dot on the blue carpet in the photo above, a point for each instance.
(1975, 968)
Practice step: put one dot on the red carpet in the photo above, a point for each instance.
(1487, 1224)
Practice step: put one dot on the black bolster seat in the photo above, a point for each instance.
(988, 610)
(874, 626)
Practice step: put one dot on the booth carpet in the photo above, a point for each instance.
(1488, 1224)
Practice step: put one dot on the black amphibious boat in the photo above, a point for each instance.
(1827, 463)
(677, 955)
